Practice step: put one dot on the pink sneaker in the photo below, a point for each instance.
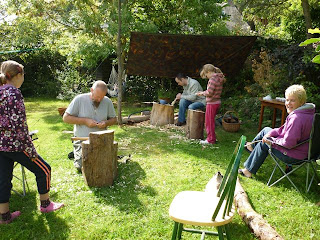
(52, 207)
(13, 216)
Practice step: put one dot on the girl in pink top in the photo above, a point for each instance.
(213, 95)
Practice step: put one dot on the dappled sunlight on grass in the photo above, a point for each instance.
(162, 162)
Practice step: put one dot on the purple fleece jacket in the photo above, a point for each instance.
(296, 129)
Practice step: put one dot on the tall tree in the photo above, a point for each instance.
(87, 31)
(274, 10)
(120, 64)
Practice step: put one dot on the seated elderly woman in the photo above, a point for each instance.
(296, 129)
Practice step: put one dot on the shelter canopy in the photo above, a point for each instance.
(165, 55)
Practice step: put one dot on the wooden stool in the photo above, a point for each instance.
(161, 114)
(195, 124)
(99, 159)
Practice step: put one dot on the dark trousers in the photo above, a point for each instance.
(39, 167)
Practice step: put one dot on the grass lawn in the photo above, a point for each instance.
(163, 163)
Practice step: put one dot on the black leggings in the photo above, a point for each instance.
(39, 167)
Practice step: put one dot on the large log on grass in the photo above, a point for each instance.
(260, 227)
(161, 114)
(135, 119)
(195, 124)
(99, 159)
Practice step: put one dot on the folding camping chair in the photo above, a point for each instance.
(23, 178)
(204, 209)
(309, 162)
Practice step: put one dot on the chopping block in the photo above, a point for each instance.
(99, 159)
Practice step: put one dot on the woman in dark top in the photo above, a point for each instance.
(16, 144)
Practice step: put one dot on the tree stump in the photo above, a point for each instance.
(161, 114)
(99, 159)
(195, 124)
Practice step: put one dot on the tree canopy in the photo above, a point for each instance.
(85, 31)
(286, 19)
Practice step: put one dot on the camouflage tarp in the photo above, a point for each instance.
(165, 55)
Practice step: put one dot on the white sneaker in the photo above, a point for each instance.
(204, 142)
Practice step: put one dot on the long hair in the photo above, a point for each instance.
(210, 68)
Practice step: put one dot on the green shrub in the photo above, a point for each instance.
(40, 67)
(71, 82)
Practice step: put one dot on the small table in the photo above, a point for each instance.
(275, 105)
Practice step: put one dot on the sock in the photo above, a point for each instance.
(45, 203)
(6, 216)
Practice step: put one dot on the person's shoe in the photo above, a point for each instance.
(13, 216)
(52, 207)
(204, 142)
(242, 172)
(180, 123)
(71, 155)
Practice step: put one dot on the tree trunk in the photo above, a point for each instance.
(120, 65)
(161, 114)
(99, 159)
(195, 124)
(307, 16)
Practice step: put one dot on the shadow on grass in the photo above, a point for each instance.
(126, 189)
(298, 178)
(32, 224)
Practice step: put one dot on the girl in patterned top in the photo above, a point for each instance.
(16, 144)
(212, 94)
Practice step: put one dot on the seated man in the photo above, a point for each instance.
(89, 112)
(188, 98)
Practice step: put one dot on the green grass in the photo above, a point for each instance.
(162, 164)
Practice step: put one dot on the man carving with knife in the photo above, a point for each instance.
(89, 112)
(188, 98)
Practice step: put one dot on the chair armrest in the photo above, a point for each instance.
(303, 142)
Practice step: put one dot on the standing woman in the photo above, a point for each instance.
(213, 99)
(16, 144)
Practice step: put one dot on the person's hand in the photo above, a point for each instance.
(178, 96)
(91, 123)
(102, 124)
(266, 139)
(199, 93)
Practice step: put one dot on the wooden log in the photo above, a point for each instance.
(195, 124)
(259, 226)
(99, 159)
(161, 114)
(135, 118)
(79, 138)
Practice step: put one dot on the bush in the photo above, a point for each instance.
(40, 67)
(144, 88)
(72, 83)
